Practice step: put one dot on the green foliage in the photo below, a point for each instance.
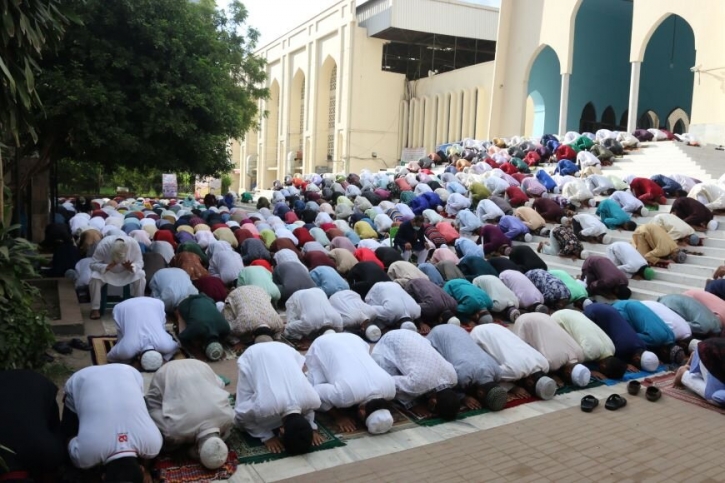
(151, 84)
(24, 334)
(226, 183)
(28, 28)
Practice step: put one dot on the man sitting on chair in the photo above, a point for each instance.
(117, 261)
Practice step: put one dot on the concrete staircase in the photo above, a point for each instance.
(703, 163)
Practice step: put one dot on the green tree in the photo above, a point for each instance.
(29, 27)
(152, 85)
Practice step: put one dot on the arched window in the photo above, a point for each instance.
(609, 119)
(679, 127)
(624, 120)
(332, 113)
(588, 121)
(302, 116)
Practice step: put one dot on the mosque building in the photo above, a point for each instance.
(362, 81)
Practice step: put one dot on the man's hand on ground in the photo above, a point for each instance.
(274, 445)
(345, 424)
(317, 438)
(471, 402)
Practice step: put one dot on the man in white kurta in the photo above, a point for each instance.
(674, 321)
(629, 203)
(518, 360)
(114, 423)
(502, 296)
(272, 391)
(628, 259)
(418, 370)
(172, 286)
(354, 312)
(592, 229)
(393, 304)
(309, 313)
(188, 403)
(141, 329)
(118, 261)
(345, 376)
(487, 211)
(710, 195)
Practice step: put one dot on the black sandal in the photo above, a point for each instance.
(589, 403)
(653, 394)
(614, 402)
(80, 345)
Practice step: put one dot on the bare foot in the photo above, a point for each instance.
(678, 377)
(95, 314)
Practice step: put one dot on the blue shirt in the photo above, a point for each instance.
(649, 326)
(626, 341)
(612, 214)
(715, 287)
(470, 298)
(328, 280)
(512, 227)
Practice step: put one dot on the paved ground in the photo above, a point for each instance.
(666, 441)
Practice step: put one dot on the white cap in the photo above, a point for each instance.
(379, 421)
(409, 326)
(607, 239)
(592, 203)
(220, 306)
(262, 338)
(454, 321)
(649, 362)
(213, 453)
(151, 361)
(581, 375)
(329, 331)
(546, 388)
(372, 333)
(712, 225)
(693, 345)
(527, 237)
(584, 254)
(564, 220)
(644, 211)
(587, 303)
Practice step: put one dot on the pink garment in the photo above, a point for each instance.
(443, 254)
(522, 287)
(711, 301)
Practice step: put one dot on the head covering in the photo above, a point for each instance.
(379, 421)
(546, 388)
(592, 203)
(644, 211)
(649, 362)
(409, 326)
(692, 345)
(213, 453)
(712, 225)
(214, 351)
(485, 319)
(607, 239)
(262, 338)
(564, 220)
(119, 251)
(681, 256)
(372, 333)
(151, 361)
(694, 240)
(580, 375)
(648, 273)
(587, 303)
(454, 321)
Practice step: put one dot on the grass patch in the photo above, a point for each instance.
(57, 372)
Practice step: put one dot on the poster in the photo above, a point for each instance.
(169, 186)
(412, 154)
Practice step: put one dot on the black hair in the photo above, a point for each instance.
(448, 404)
(418, 219)
(297, 437)
(612, 367)
(263, 331)
(623, 292)
(123, 470)
(629, 225)
(375, 405)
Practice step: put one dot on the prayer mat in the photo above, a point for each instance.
(251, 450)
(101, 345)
(513, 401)
(628, 376)
(230, 353)
(400, 421)
(300, 345)
(664, 383)
(186, 470)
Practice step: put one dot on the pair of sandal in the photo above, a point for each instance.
(66, 347)
(651, 393)
(614, 402)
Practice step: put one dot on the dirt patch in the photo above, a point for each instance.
(49, 300)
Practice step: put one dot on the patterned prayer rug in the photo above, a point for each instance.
(513, 401)
(186, 470)
(400, 421)
(251, 450)
(101, 345)
(664, 383)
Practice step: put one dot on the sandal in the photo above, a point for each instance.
(589, 403)
(62, 348)
(614, 402)
(80, 345)
(653, 394)
(633, 387)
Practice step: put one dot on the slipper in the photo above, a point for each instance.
(614, 402)
(62, 348)
(589, 403)
(633, 387)
(80, 345)
(653, 394)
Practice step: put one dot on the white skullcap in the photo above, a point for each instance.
(379, 421)
(372, 333)
(455, 321)
(564, 220)
(262, 338)
(213, 453)
(607, 239)
(649, 362)
(644, 211)
(692, 345)
(584, 254)
(220, 306)
(409, 326)
(329, 331)
(151, 361)
(546, 388)
(587, 303)
(592, 203)
(712, 225)
(581, 375)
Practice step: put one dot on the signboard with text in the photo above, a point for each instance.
(169, 185)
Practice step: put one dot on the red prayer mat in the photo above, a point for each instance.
(664, 383)
(191, 471)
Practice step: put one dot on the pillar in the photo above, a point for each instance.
(564, 103)
(633, 97)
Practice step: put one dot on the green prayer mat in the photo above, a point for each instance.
(513, 401)
(251, 450)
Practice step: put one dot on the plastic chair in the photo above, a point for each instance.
(106, 303)
(393, 232)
